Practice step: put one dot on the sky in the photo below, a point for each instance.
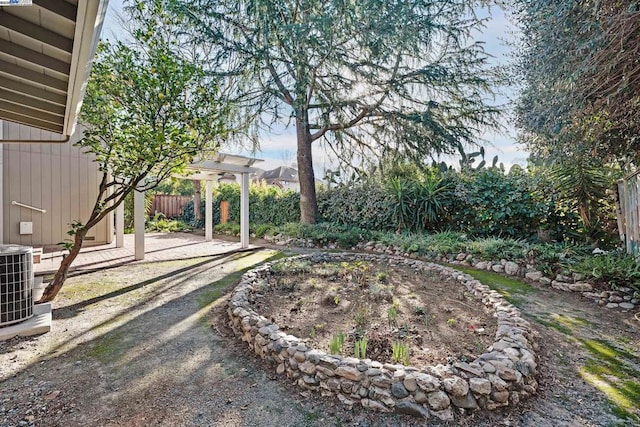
(279, 147)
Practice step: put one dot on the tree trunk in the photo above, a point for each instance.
(306, 177)
(54, 287)
(197, 200)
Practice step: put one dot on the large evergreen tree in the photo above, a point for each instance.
(367, 77)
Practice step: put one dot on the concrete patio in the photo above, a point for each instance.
(158, 247)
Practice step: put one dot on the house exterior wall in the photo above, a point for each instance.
(56, 177)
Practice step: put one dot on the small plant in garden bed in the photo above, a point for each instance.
(400, 352)
(336, 343)
(392, 316)
(360, 348)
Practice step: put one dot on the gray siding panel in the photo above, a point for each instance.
(55, 177)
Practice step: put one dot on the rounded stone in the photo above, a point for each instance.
(420, 396)
(399, 391)
(480, 385)
(500, 396)
(410, 383)
(456, 386)
(439, 400)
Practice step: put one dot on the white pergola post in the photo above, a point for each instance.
(208, 211)
(138, 223)
(244, 211)
(120, 225)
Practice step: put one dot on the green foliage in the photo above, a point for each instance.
(495, 248)
(476, 201)
(577, 64)
(336, 343)
(262, 230)
(291, 266)
(392, 316)
(269, 205)
(189, 217)
(491, 203)
(615, 269)
(229, 229)
(360, 348)
(324, 233)
(160, 223)
(148, 109)
(400, 352)
(418, 204)
(176, 186)
(363, 204)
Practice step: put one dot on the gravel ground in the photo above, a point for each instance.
(148, 345)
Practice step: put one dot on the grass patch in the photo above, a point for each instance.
(570, 321)
(553, 324)
(610, 372)
(109, 347)
(509, 288)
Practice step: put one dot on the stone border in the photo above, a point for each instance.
(502, 376)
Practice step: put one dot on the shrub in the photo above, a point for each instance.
(160, 223)
(229, 229)
(495, 248)
(364, 204)
(615, 269)
(268, 205)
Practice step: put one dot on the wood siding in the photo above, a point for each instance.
(56, 177)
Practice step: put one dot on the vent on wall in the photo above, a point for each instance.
(16, 284)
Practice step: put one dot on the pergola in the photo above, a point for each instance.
(208, 170)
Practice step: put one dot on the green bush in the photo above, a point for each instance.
(189, 218)
(615, 269)
(267, 205)
(161, 223)
(364, 204)
(490, 203)
(495, 248)
(229, 228)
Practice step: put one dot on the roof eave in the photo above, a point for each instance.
(87, 34)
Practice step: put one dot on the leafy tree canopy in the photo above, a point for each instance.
(578, 66)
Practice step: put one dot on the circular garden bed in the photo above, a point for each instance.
(385, 332)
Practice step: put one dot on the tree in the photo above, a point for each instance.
(148, 111)
(580, 79)
(368, 78)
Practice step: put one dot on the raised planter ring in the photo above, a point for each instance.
(501, 376)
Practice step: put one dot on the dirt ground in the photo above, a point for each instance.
(434, 317)
(148, 345)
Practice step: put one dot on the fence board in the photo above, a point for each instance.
(629, 213)
(171, 206)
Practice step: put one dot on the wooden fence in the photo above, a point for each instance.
(170, 206)
(628, 204)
